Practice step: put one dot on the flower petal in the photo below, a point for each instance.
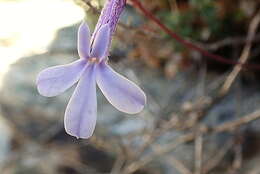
(84, 40)
(101, 42)
(81, 112)
(119, 91)
(55, 80)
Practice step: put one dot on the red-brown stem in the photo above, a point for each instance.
(187, 43)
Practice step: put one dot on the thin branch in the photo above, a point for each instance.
(228, 41)
(237, 163)
(245, 54)
(217, 158)
(188, 43)
(94, 9)
(229, 126)
(157, 151)
(178, 165)
(161, 150)
(118, 164)
(198, 154)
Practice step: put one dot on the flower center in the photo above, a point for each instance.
(93, 60)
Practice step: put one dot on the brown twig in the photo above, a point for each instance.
(217, 158)
(229, 41)
(94, 9)
(189, 44)
(161, 150)
(237, 163)
(118, 164)
(198, 154)
(245, 54)
(157, 151)
(229, 126)
(177, 164)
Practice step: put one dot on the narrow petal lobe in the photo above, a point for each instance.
(101, 42)
(84, 41)
(81, 112)
(119, 91)
(55, 80)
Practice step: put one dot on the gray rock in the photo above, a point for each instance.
(20, 100)
(35, 115)
(5, 140)
(65, 41)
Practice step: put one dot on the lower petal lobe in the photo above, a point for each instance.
(119, 91)
(81, 112)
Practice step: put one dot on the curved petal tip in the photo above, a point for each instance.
(101, 42)
(55, 80)
(81, 112)
(123, 94)
(84, 40)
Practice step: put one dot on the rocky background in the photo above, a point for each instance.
(202, 116)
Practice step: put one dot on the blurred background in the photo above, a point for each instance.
(202, 116)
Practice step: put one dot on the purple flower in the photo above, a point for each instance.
(91, 68)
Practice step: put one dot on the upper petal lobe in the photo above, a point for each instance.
(84, 41)
(120, 92)
(55, 80)
(101, 42)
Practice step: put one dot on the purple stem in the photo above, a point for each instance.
(110, 15)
